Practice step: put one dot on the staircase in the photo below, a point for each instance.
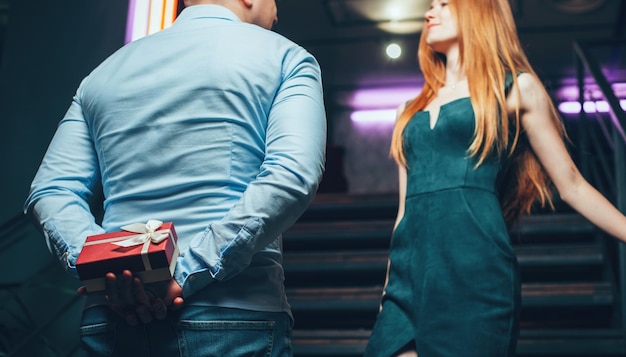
(40, 308)
(335, 263)
(336, 258)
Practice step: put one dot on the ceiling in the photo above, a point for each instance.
(348, 37)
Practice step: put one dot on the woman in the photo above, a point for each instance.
(475, 149)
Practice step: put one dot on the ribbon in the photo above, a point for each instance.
(148, 234)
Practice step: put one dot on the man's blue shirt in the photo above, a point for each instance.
(214, 124)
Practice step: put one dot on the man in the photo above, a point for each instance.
(217, 125)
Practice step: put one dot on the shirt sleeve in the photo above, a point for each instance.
(60, 192)
(287, 182)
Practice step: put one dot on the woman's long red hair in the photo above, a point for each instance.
(489, 49)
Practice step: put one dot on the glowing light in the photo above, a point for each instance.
(382, 98)
(388, 116)
(146, 17)
(395, 12)
(394, 51)
(571, 92)
(589, 107)
(378, 105)
(403, 27)
(374, 116)
(569, 107)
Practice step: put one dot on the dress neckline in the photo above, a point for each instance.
(432, 125)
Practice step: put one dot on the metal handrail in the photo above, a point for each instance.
(604, 169)
(586, 62)
(618, 116)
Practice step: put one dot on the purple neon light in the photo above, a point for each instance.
(373, 116)
(382, 98)
(600, 106)
(388, 115)
(130, 20)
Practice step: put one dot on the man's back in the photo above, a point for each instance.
(213, 124)
(187, 107)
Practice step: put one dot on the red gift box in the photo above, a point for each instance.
(148, 250)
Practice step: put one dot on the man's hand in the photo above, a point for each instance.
(136, 302)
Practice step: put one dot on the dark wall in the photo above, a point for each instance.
(49, 47)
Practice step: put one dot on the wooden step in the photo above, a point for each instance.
(546, 255)
(337, 234)
(583, 294)
(334, 298)
(335, 261)
(568, 342)
(333, 207)
(336, 255)
(546, 228)
(567, 294)
(329, 342)
(341, 207)
(553, 224)
(540, 255)
(532, 342)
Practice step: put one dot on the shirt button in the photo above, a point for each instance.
(192, 278)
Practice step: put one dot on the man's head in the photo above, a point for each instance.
(259, 12)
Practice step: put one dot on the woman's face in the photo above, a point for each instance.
(441, 26)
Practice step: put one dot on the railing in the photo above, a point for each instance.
(585, 63)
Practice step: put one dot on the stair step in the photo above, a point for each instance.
(341, 207)
(567, 342)
(532, 342)
(329, 342)
(371, 233)
(544, 228)
(553, 223)
(335, 261)
(335, 298)
(332, 207)
(583, 294)
(567, 294)
(541, 255)
(336, 257)
(544, 255)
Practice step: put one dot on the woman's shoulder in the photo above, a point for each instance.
(532, 93)
(528, 82)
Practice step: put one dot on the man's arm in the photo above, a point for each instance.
(62, 186)
(287, 182)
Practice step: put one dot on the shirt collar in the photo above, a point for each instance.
(206, 11)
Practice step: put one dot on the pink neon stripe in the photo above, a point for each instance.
(130, 20)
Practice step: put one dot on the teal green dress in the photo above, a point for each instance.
(453, 287)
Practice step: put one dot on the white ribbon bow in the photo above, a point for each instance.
(148, 233)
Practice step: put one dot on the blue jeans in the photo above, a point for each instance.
(192, 331)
